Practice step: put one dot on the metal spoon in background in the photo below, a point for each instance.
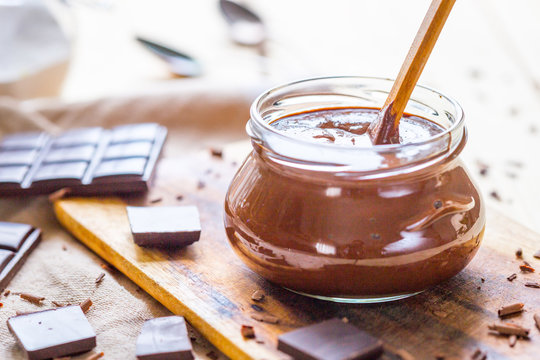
(246, 27)
(179, 63)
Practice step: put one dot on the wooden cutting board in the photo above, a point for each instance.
(211, 288)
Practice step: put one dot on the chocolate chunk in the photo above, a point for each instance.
(53, 333)
(330, 340)
(16, 242)
(537, 254)
(91, 161)
(247, 331)
(519, 253)
(164, 338)
(164, 225)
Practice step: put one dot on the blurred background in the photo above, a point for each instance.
(486, 58)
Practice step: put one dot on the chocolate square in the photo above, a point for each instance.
(330, 340)
(17, 157)
(5, 257)
(53, 333)
(163, 339)
(32, 140)
(121, 167)
(13, 174)
(75, 153)
(15, 260)
(86, 136)
(12, 235)
(70, 170)
(125, 150)
(134, 132)
(160, 226)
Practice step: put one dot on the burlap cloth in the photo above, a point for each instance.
(63, 270)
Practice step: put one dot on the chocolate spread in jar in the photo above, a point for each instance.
(341, 236)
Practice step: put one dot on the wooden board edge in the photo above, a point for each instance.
(144, 282)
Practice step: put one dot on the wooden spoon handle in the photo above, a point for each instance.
(410, 72)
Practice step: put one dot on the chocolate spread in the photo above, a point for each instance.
(343, 236)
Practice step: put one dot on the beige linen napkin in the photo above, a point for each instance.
(63, 270)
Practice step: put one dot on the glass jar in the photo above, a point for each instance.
(352, 224)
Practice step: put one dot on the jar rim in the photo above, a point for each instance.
(273, 141)
(255, 114)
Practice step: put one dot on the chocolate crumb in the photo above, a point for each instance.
(99, 279)
(483, 171)
(258, 295)
(247, 332)
(156, 200)
(495, 195)
(6, 293)
(510, 309)
(32, 298)
(257, 308)
(59, 194)
(532, 284)
(179, 197)
(519, 253)
(216, 152)
(193, 338)
(478, 287)
(259, 341)
(270, 319)
(483, 280)
(512, 340)
(511, 277)
(212, 355)
(201, 185)
(437, 204)
(536, 318)
(526, 268)
(57, 304)
(537, 254)
(64, 247)
(85, 305)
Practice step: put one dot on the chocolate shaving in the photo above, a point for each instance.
(99, 279)
(537, 254)
(526, 268)
(536, 318)
(32, 298)
(6, 293)
(510, 309)
(519, 253)
(270, 319)
(85, 305)
(156, 200)
(258, 295)
(59, 194)
(532, 284)
(247, 332)
(179, 197)
(257, 308)
(512, 277)
(479, 355)
(95, 356)
(512, 340)
(57, 304)
(509, 329)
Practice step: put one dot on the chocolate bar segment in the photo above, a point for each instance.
(163, 339)
(53, 333)
(16, 242)
(88, 161)
(164, 226)
(330, 340)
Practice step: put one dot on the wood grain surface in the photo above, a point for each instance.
(210, 286)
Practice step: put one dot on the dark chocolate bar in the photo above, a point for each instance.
(89, 161)
(53, 333)
(16, 242)
(164, 338)
(164, 226)
(330, 340)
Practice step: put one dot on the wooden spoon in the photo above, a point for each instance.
(385, 129)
